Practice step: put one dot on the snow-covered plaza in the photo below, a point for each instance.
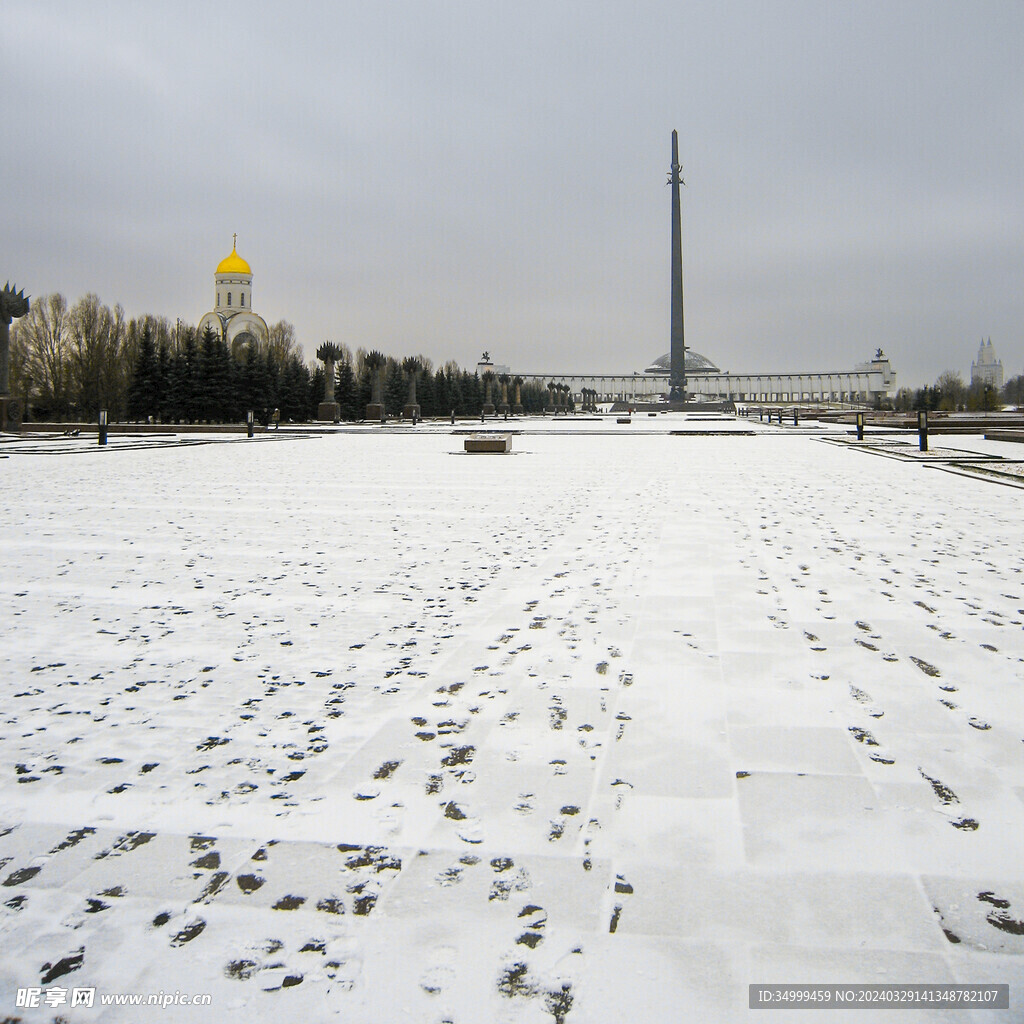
(353, 726)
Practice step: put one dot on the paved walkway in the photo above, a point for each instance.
(362, 728)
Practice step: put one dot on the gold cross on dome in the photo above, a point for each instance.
(234, 240)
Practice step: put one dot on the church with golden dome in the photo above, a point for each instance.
(232, 316)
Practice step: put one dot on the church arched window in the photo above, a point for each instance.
(243, 298)
(218, 298)
(229, 298)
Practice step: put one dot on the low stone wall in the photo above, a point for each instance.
(728, 407)
(140, 428)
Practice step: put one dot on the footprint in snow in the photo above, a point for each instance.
(439, 972)
(471, 831)
(66, 965)
(508, 879)
(533, 919)
(1000, 917)
(947, 798)
(189, 932)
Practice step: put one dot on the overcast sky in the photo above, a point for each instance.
(448, 177)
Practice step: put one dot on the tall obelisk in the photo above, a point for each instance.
(677, 351)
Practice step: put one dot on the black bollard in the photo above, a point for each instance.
(103, 426)
(453, 417)
(481, 415)
(796, 418)
(922, 430)
(860, 426)
(248, 422)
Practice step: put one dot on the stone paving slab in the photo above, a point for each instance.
(347, 729)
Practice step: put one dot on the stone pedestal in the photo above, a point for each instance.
(410, 411)
(10, 414)
(375, 411)
(488, 409)
(504, 408)
(328, 412)
(517, 410)
(495, 443)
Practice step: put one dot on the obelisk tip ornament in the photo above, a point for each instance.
(677, 348)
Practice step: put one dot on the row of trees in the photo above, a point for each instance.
(949, 393)
(68, 362)
(202, 382)
(438, 392)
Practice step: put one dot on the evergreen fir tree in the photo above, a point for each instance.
(165, 398)
(295, 390)
(251, 383)
(472, 394)
(442, 402)
(345, 391)
(535, 397)
(143, 391)
(187, 378)
(231, 375)
(453, 385)
(425, 394)
(270, 382)
(395, 388)
(365, 388)
(174, 400)
(209, 388)
(318, 391)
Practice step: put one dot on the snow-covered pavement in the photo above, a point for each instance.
(356, 727)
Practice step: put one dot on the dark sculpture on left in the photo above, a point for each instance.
(13, 304)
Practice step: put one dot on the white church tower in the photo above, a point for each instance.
(232, 316)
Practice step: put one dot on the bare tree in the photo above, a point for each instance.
(281, 342)
(904, 400)
(20, 380)
(982, 397)
(1013, 391)
(41, 342)
(953, 390)
(161, 330)
(99, 371)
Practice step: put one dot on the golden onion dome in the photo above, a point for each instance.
(233, 264)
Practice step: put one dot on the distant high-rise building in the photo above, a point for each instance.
(987, 368)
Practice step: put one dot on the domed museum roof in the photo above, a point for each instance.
(694, 363)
